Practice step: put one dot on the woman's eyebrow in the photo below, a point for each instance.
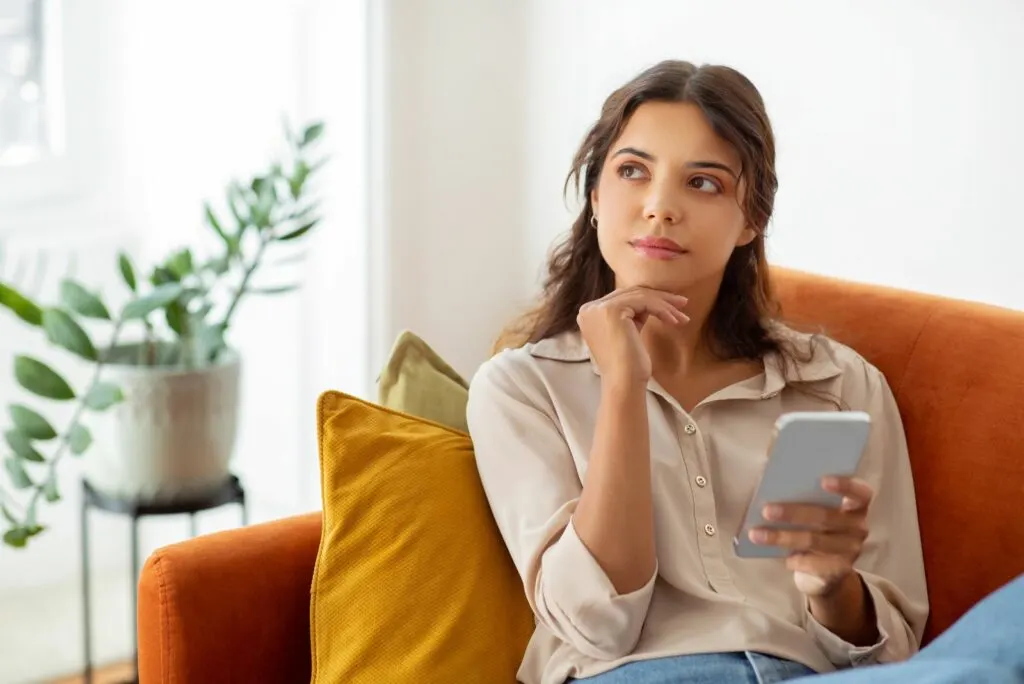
(711, 165)
(702, 164)
(639, 153)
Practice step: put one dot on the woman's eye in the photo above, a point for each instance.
(630, 172)
(705, 184)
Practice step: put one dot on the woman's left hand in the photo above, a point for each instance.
(824, 551)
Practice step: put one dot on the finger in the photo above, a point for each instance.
(824, 518)
(825, 569)
(658, 293)
(806, 541)
(671, 297)
(676, 300)
(664, 313)
(656, 302)
(671, 314)
(638, 307)
(856, 493)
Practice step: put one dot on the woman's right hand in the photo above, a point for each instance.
(611, 328)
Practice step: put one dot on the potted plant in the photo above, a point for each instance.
(172, 392)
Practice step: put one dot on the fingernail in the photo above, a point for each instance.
(830, 482)
(772, 512)
(758, 536)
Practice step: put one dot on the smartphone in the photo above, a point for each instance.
(805, 447)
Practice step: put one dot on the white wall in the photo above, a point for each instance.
(166, 103)
(898, 129)
(898, 124)
(452, 177)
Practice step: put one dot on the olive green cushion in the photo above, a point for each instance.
(417, 381)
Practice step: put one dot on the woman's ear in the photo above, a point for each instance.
(593, 201)
(747, 236)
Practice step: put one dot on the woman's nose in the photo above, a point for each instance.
(662, 204)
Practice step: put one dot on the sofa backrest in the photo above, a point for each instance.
(957, 370)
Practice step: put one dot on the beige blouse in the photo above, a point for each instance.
(531, 416)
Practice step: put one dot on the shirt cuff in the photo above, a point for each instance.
(842, 653)
(586, 597)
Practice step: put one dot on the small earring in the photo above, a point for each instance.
(593, 221)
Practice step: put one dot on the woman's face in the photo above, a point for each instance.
(668, 203)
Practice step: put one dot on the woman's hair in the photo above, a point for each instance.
(739, 323)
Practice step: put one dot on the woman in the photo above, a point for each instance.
(620, 446)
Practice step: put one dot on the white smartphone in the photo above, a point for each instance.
(805, 447)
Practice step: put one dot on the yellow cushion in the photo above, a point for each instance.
(416, 380)
(412, 582)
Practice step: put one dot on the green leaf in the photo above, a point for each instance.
(127, 271)
(312, 132)
(64, 331)
(22, 446)
(41, 380)
(19, 478)
(289, 135)
(16, 537)
(30, 517)
(281, 289)
(177, 318)
(163, 275)
(298, 178)
(180, 264)
(202, 312)
(263, 207)
(79, 439)
(50, 489)
(8, 516)
(31, 423)
(210, 341)
(22, 306)
(81, 301)
(161, 296)
(102, 396)
(236, 203)
(219, 265)
(214, 222)
(298, 232)
(305, 211)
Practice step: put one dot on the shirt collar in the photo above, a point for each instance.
(813, 360)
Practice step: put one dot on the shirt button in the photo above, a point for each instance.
(690, 428)
(709, 530)
(700, 480)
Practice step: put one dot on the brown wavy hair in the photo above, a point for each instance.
(739, 323)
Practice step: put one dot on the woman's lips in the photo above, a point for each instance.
(658, 248)
(658, 252)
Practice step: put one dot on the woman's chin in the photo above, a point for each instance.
(665, 284)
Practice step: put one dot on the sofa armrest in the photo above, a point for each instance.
(230, 607)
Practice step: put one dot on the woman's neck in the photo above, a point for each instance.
(679, 350)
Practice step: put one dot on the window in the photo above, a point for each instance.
(28, 93)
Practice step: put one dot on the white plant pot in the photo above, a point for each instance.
(174, 434)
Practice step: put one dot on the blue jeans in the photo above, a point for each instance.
(703, 668)
(985, 646)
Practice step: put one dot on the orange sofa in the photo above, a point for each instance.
(234, 606)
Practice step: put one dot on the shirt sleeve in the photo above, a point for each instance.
(891, 563)
(532, 485)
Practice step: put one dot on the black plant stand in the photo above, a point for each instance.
(230, 492)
